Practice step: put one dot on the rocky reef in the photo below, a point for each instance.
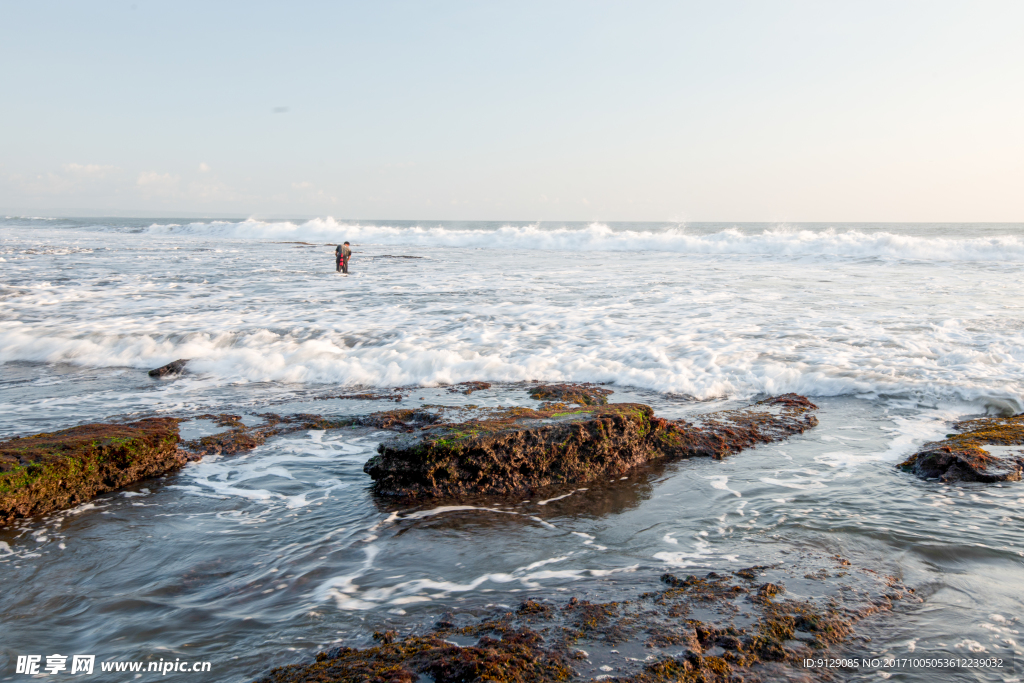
(518, 449)
(716, 628)
(982, 451)
(488, 451)
(56, 470)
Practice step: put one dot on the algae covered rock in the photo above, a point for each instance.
(515, 655)
(709, 629)
(57, 470)
(983, 451)
(575, 392)
(516, 449)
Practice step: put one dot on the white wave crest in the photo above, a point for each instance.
(780, 241)
(252, 311)
(264, 356)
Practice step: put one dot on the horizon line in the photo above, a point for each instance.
(66, 213)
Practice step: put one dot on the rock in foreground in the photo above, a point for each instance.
(517, 449)
(745, 632)
(963, 457)
(46, 472)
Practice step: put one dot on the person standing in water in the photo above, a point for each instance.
(342, 254)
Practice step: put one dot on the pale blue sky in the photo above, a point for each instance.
(554, 110)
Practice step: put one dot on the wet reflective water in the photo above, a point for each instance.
(262, 559)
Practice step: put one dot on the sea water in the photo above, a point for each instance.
(265, 558)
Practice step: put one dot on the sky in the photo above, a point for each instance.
(555, 110)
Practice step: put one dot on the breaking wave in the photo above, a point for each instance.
(875, 317)
(944, 371)
(778, 241)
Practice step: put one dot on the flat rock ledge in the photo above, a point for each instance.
(983, 452)
(42, 473)
(518, 449)
(56, 470)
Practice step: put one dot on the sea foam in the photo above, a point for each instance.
(778, 241)
(773, 319)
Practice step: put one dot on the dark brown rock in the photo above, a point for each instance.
(515, 656)
(578, 393)
(538, 643)
(52, 471)
(770, 590)
(751, 573)
(172, 368)
(961, 457)
(405, 419)
(468, 388)
(515, 449)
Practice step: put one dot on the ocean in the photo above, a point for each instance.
(262, 559)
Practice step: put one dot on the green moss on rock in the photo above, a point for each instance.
(539, 642)
(515, 657)
(961, 457)
(515, 449)
(52, 471)
(579, 393)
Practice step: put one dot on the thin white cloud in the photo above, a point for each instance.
(149, 178)
(153, 184)
(70, 180)
(88, 170)
(212, 190)
(310, 193)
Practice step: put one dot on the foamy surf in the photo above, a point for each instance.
(778, 241)
(707, 312)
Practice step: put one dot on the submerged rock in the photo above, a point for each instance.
(578, 393)
(512, 655)
(373, 395)
(963, 457)
(468, 388)
(240, 438)
(514, 449)
(403, 419)
(741, 635)
(52, 471)
(172, 368)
